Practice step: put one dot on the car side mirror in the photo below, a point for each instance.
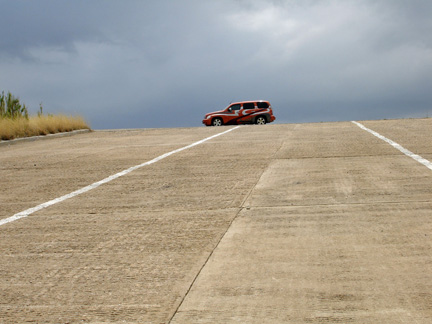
(229, 109)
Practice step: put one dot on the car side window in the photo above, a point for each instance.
(235, 107)
(248, 105)
(262, 105)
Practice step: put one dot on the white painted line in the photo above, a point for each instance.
(416, 157)
(30, 211)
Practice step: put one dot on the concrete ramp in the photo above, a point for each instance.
(337, 230)
(295, 223)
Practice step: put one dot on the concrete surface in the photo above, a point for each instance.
(295, 223)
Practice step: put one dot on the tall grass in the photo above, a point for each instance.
(15, 121)
(11, 128)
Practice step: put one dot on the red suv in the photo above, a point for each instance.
(242, 112)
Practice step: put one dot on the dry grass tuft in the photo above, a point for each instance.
(39, 125)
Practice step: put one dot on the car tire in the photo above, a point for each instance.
(260, 120)
(217, 122)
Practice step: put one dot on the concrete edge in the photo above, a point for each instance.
(42, 137)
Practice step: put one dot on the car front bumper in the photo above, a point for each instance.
(207, 121)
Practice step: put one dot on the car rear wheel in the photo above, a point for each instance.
(217, 122)
(261, 120)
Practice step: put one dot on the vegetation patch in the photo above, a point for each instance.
(15, 121)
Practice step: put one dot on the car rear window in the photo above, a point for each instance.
(262, 104)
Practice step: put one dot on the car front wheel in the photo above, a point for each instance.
(261, 120)
(217, 122)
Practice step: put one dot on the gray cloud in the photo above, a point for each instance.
(165, 64)
(31, 24)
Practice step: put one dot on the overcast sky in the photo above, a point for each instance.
(156, 63)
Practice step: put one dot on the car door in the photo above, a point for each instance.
(247, 112)
(232, 114)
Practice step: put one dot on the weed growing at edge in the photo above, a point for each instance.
(15, 121)
(11, 128)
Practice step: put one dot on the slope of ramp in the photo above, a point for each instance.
(337, 230)
(127, 251)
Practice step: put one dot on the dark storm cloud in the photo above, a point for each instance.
(165, 63)
(29, 24)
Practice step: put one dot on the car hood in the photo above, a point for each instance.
(215, 112)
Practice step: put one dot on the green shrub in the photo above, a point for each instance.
(10, 107)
